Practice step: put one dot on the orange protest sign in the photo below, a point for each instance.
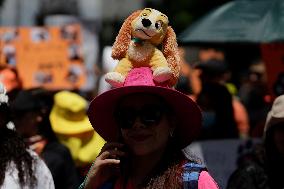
(49, 57)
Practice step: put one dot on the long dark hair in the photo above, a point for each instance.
(13, 149)
(272, 154)
(168, 173)
(274, 164)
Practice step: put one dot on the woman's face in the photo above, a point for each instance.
(144, 124)
(26, 123)
(278, 138)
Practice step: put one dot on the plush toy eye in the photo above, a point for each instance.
(158, 25)
(144, 14)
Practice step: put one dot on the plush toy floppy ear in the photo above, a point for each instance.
(170, 51)
(123, 38)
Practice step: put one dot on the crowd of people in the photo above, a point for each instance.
(56, 144)
(133, 136)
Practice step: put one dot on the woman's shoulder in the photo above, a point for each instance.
(195, 175)
(42, 172)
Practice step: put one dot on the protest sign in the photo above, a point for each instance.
(48, 57)
(273, 56)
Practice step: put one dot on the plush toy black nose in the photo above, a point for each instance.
(146, 22)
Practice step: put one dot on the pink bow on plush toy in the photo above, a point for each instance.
(146, 40)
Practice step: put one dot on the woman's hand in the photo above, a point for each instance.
(105, 166)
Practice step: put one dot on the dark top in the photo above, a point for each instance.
(218, 114)
(251, 176)
(60, 162)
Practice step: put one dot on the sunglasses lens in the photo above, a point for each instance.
(151, 115)
(148, 115)
(125, 118)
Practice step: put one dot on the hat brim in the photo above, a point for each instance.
(67, 127)
(101, 112)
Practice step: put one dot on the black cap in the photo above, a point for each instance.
(31, 100)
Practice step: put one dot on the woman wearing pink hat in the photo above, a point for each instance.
(145, 122)
(147, 126)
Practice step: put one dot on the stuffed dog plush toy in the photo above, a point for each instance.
(146, 40)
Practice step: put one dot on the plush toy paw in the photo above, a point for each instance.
(115, 79)
(162, 74)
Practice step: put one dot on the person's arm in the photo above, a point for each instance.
(241, 118)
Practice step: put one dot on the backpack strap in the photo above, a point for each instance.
(191, 174)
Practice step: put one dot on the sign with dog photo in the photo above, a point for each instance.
(48, 57)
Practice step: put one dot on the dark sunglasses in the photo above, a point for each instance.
(149, 115)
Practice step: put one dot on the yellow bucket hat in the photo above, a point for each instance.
(68, 114)
(70, 123)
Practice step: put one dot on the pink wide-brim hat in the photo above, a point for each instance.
(140, 80)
